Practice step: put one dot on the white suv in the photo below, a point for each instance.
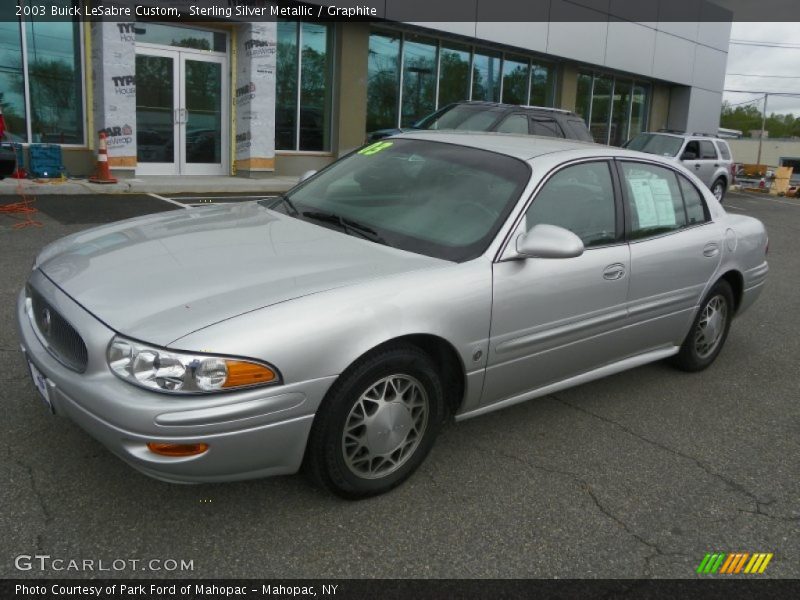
(706, 156)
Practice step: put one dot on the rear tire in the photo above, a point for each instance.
(377, 423)
(709, 330)
(718, 189)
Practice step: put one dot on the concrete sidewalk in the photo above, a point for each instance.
(143, 185)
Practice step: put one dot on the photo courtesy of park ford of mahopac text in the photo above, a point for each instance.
(399, 299)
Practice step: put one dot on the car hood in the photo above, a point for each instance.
(158, 278)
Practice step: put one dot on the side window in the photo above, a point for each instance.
(654, 200)
(579, 198)
(546, 127)
(514, 124)
(724, 151)
(693, 147)
(696, 211)
(707, 150)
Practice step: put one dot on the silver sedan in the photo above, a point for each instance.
(425, 277)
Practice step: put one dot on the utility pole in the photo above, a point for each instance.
(763, 125)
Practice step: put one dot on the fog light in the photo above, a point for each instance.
(165, 449)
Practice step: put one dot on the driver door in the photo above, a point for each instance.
(556, 318)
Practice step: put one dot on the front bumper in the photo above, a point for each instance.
(252, 433)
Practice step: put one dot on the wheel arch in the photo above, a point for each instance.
(445, 357)
(736, 280)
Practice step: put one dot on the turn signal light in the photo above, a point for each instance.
(176, 449)
(246, 373)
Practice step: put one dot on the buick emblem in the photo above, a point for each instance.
(46, 321)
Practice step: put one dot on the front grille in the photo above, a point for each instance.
(61, 339)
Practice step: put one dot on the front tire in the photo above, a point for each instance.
(709, 330)
(377, 423)
(718, 189)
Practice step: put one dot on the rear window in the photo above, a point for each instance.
(707, 150)
(724, 151)
(579, 131)
(655, 143)
(546, 127)
(459, 116)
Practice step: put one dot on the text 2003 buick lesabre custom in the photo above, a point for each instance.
(427, 275)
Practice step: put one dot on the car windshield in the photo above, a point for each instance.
(433, 198)
(654, 143)
(462, 116)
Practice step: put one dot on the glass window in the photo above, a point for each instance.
(183, 37)
(620, 112)
(693, 200)
(12, 83)
(546, 127)
(542, 85)
(515, 80)
(313, 76)
(55, 80)
(419, 80)
(654, 201)
(638, 110)
(315, 87)
(724, 151)
(286, 87)
(579, 198)
(601, 108)
(383, 76)
(486, 77)
(707, 150)
(583, 99)
(469, 117)
(453, 74)
(514, 124)
(655, 143)
(441, 200)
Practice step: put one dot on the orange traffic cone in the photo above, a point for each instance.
(102, 173)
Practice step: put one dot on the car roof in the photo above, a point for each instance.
(519, 146)
(685, 135)
(527, 107)
(527, 147)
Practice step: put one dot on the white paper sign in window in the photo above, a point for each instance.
(653, 201)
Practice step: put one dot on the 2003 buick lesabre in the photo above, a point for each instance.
(426, 276)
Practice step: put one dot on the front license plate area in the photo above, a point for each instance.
(40, 382)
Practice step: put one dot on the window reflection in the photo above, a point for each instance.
(419, 80)
(12, 84)
(383, 76)
(286, 87)
(55, 83)
(638, 110)
(583, 99)
(542, 85)
(453, 75)
(315, 87)
(615, 109)
(182, 37)
(515, 81)
(486, 77)
(601, 108)
(620, 112)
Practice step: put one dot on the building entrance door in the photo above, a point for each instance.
(181, 112)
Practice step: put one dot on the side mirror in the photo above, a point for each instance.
(549, 241)
(306, 175)
(689, 155)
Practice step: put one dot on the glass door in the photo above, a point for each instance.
(156, 112)
(181, 113)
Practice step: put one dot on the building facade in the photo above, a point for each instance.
(226, 97)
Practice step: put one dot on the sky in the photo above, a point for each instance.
(755, 60)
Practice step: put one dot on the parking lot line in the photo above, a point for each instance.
(170, 200)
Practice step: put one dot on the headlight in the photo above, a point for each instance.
(183, 373)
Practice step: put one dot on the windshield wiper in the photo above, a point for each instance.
(282, 199)
(347, 225)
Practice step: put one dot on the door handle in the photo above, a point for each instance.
(697, 165)
(613, 272)
(716, 165)
(711, 249)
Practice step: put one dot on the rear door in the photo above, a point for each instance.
(709, 162)
(675, 251)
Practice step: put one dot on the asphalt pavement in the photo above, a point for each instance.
(636, 475)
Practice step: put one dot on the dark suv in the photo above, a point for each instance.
(504, 118)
